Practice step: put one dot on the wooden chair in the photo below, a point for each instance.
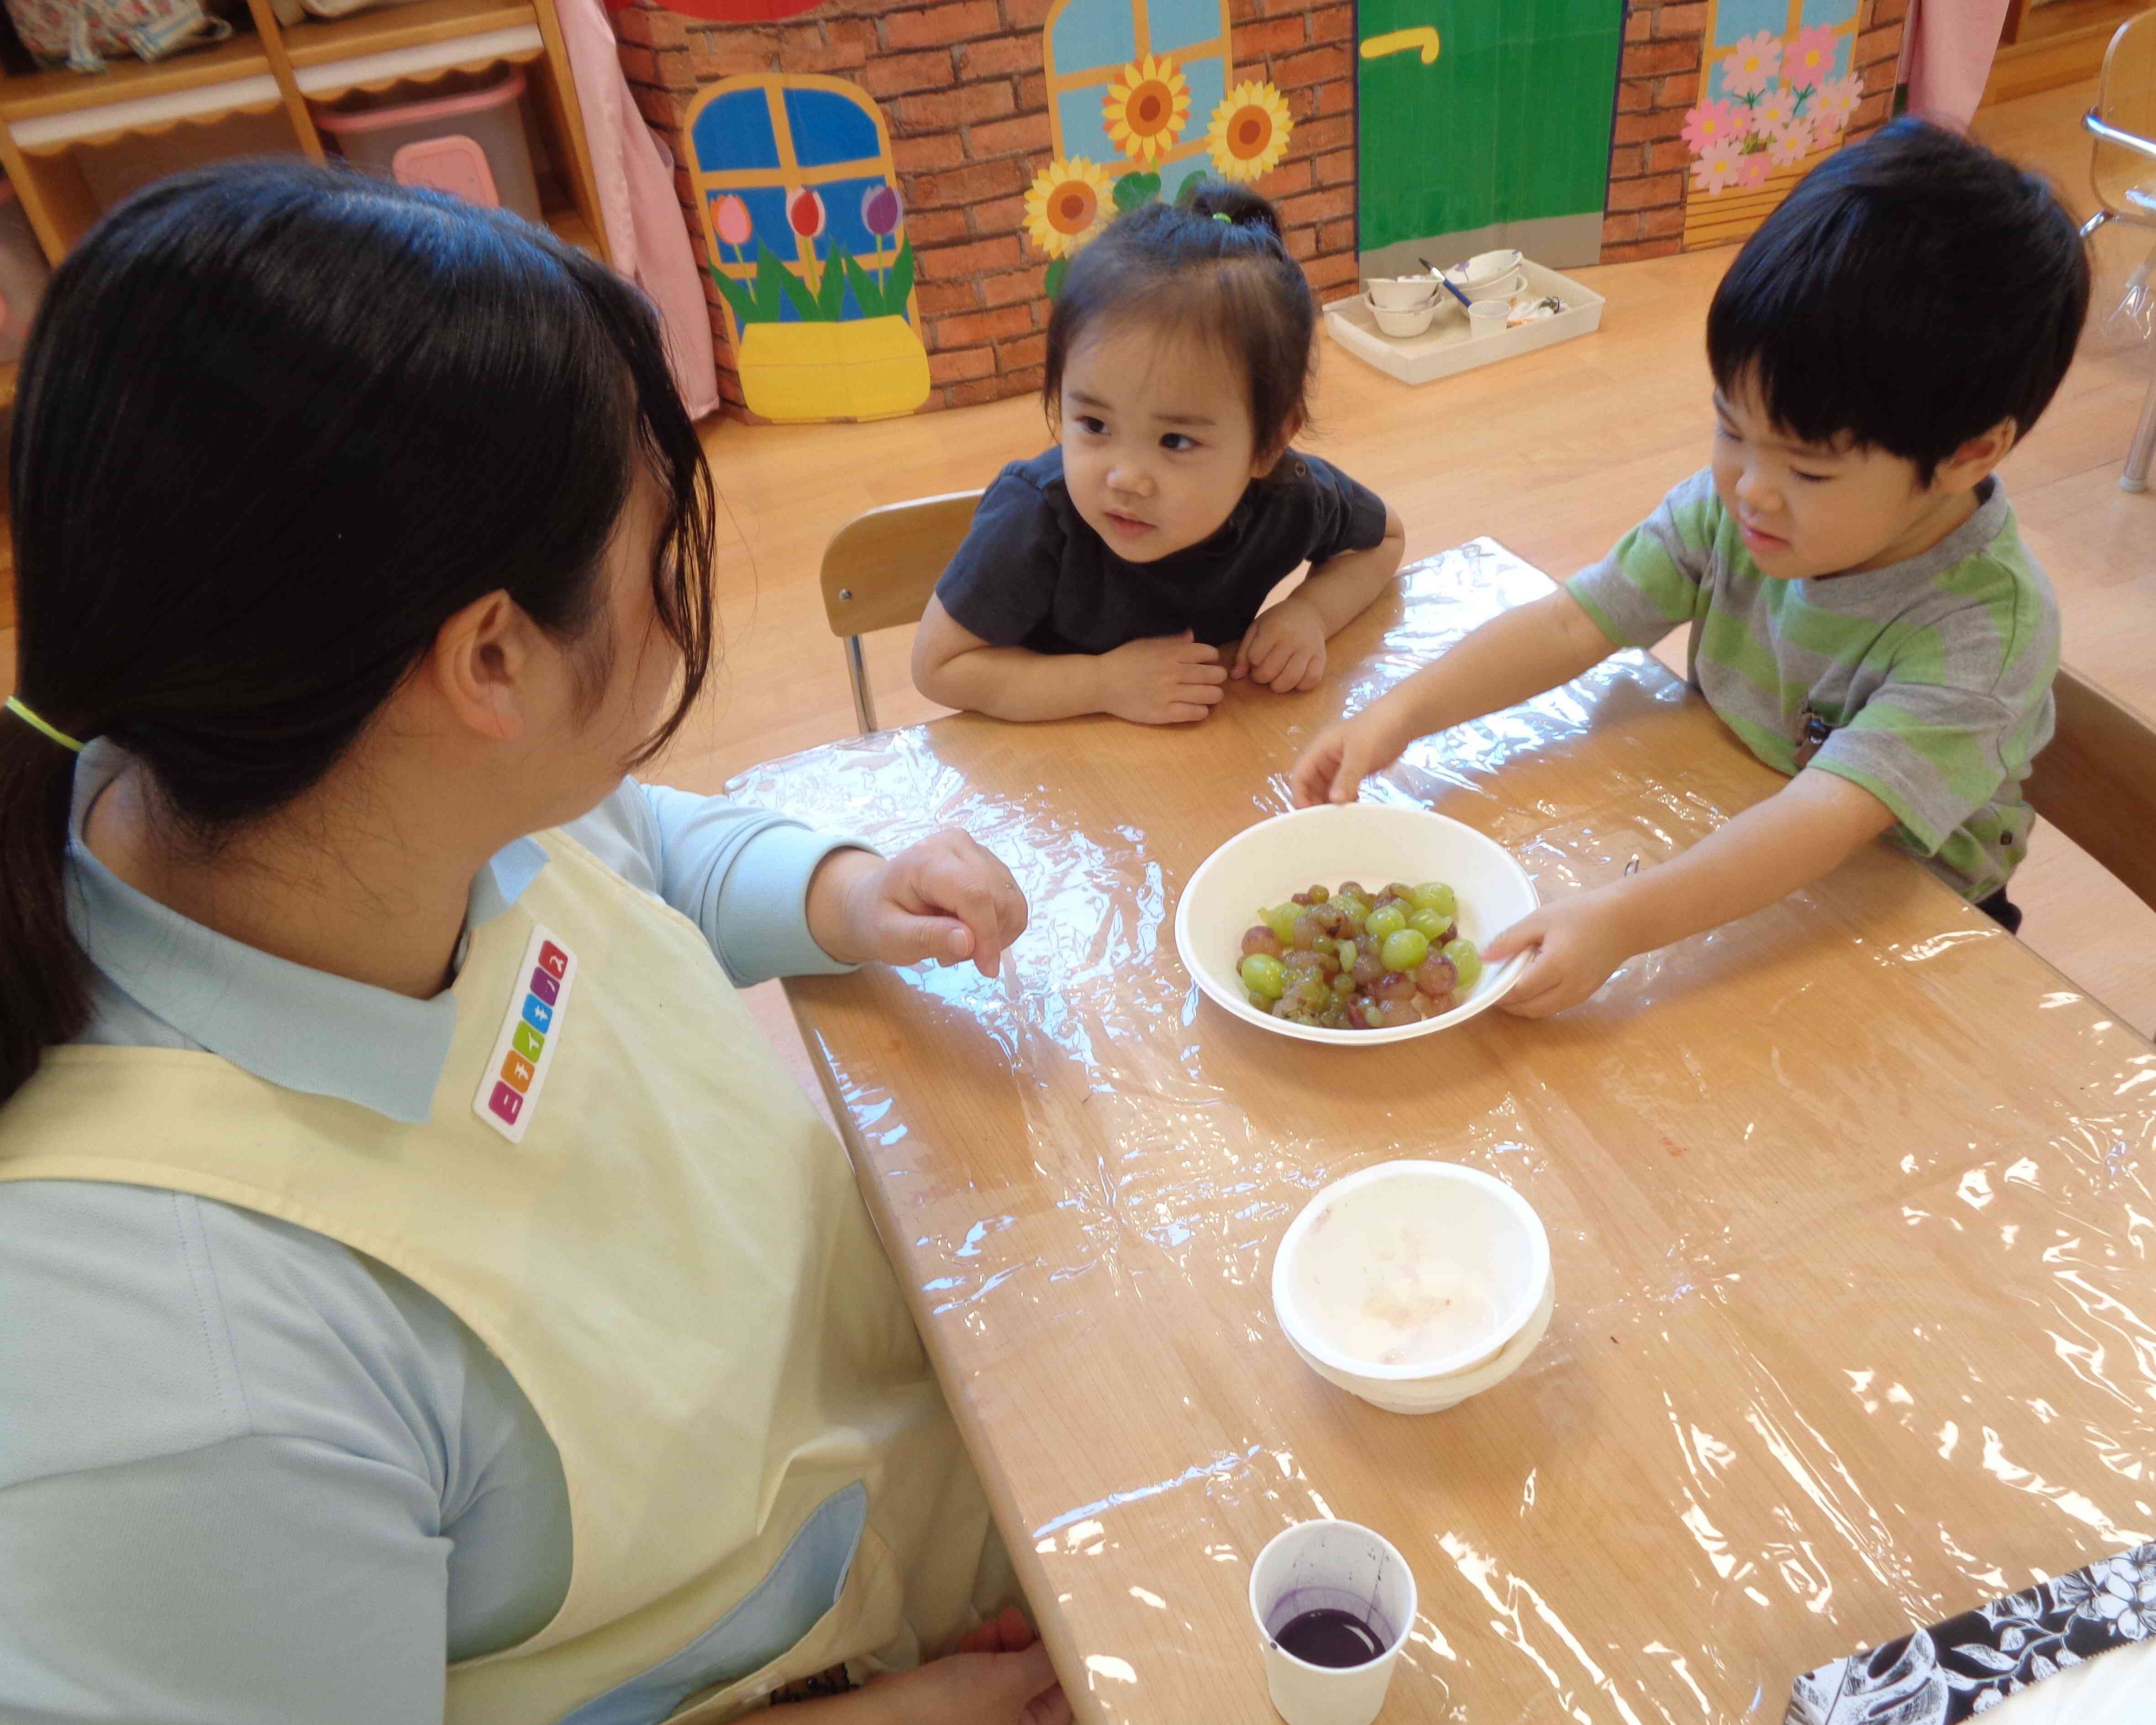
(2096, 782)
(881, 568)
(2124, 176)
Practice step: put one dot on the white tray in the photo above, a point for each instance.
(1445, 348)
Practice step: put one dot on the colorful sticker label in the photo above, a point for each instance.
(508, 1087)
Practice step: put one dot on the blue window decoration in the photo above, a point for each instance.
(1085, 46)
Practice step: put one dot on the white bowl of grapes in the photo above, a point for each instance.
(1362, 922)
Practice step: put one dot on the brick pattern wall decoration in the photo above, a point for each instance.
(1671, 80)
(962, 88)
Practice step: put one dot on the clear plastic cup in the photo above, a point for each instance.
(1331, 1566)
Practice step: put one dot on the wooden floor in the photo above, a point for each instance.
(1555, 454)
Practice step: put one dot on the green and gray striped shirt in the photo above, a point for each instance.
(1931, 680)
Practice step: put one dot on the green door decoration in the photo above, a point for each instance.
(803, 223)
(1482, 125)
(1126, 78)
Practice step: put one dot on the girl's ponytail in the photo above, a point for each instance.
(44, 993)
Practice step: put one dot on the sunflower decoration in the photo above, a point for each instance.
(1250, 132)
(1146, 108)
(1066, 205)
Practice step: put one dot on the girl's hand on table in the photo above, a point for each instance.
(1578, 942)
(1165, 679)
(945, 898)
(1341, 756)
(1285, 648)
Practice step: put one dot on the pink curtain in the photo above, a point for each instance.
(1946, 56)
(645, 231)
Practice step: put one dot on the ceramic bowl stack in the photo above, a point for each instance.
(1403, 305)
(1489, 275)
(1414, 1285)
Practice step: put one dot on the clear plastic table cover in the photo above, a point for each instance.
(1849, 1203)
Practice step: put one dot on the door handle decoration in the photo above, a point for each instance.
(1423, 37)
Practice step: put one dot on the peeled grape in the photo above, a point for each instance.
(1435, 976)
(1351, 889)
(1303, 932)
(1353, 913)
(1299, 963)
(1432, 926)
(1327, 919)
(1368, 968)
(1328, 960)
(1404, 949)
(1466, 962)
(1263, 976)
(1344, 985)
(1318, 895)
(1432, 895)
(1349, 952)
(1393, 986)
(1260, 939)
(1425, 1006)
(1313, 992)
(1280, 919)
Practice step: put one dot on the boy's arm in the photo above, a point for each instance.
(1512, 658)
(1805, 830)
(1170, 680)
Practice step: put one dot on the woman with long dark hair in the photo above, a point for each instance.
(421, 1297)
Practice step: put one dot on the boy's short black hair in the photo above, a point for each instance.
(1913, 291)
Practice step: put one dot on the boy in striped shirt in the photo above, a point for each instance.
(1864, 615)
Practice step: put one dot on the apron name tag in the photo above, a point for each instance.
(508, 1087)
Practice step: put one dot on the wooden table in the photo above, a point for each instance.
(1850, 1207)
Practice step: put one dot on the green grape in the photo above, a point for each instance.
(1344, 985)
(1430, 925)
(1384, 922)
(1353, 912)
(1263, 976)
(1349, 952)
(1318, 895)
(1466, 963)
(1404, 949)
(1432, 895)
(1280, 919)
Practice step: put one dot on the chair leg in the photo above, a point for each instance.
(2090, 227)
(2135, 478)
(857, 669)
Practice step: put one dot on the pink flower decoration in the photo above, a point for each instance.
(1751, 171)
(805, 213)
(1752, 65)
(1791, 143)
(1810, 57)
(1837, 99)
(881, 209)
(1716, 170)
(730, 219)
(1773, 111)
(1711, 123)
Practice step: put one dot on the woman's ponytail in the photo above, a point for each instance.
(44, 994)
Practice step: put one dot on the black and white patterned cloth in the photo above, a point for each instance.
(1969, 1664)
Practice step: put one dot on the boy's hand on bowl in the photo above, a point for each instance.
(1165, 679)
(1344, 753)
(1285, 648)
(1579, 943)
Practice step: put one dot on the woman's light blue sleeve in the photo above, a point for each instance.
(185, 1537)
(740, 874)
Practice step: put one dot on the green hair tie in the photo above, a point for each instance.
(1222, 216)
(36, 723)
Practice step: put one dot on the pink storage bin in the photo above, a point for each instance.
(23, 273)
(470, 143)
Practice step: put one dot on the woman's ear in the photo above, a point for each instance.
(480, 665)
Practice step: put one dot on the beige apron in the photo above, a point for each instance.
(665, 1248)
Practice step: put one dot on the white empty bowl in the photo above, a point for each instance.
(1500, 288)
(1404, 292)
(1373, 842)
(1410, 322)
(1414, 1285)
(1486, 267)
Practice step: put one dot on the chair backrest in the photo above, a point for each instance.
(2126, 98)
(881, 567)
(2096, 782)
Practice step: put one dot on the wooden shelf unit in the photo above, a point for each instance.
(49, 120)
(2048, 47)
